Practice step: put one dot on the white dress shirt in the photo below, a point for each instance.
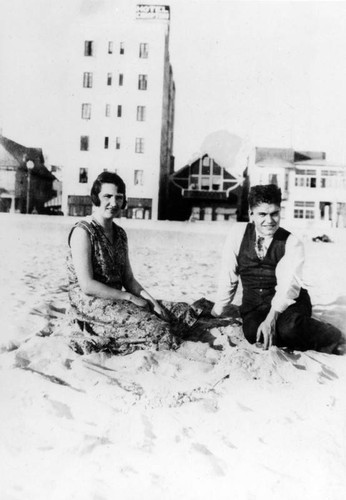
(289, 271)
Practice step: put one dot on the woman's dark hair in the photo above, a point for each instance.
(268, 193)
(107, 178)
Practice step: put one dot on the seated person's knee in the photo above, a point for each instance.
(250, 331)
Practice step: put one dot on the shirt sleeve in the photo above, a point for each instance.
(289, 273)
(228, 274)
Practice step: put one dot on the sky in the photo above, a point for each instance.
(264, 73)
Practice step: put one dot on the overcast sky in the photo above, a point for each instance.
(273, 73)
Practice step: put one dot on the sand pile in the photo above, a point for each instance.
(235, 422)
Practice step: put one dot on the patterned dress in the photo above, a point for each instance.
(119, 326)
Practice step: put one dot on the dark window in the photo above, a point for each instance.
(121, 79)
(88, 48)
(120, 110)
(122, 48)
(106, 142)
(143, 50)
(195, 168)
(141, 113)
(139, 145)
(109, 78)
(84, 143)
(117, 143)
(83, 175)
(87, 80)
(142, 82)
(216, 169)
(205, 168)
(110, 47)
(138, 178)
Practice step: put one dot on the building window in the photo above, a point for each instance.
(330, 179)
(119, 111)
(84, 143)
(121, 80)
(142, 82)
(88, 48)
(304, 210)
(87, 80)
(110, 47)
(139, 145)
(79, 205)
(122, 48)
(86, 111)
(273, 179)
(206, 175)
(143, 50)
(138, 179)
(141, 113)
(83, 175)
(108, 110)
(106, 142)
(117, 143)
(109, 78)
(305, 178)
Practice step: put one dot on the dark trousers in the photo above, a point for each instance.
(295, 328)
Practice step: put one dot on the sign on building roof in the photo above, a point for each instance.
(152, 12)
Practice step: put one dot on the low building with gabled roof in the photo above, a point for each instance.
(18, 193)
(204, 190)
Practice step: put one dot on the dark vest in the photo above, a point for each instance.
(258, 276)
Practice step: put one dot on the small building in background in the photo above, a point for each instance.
(204, 190)
(23, 190)
(313, 189)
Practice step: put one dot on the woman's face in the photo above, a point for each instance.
(110, 201)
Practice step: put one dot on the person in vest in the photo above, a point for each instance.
(275, 308)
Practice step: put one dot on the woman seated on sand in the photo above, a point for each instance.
(112, 310)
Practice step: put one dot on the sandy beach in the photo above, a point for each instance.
(199, 423)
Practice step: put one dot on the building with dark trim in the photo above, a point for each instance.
(204, 190)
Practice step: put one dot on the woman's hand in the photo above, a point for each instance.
(138, 301)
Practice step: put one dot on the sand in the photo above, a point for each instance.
(198, 423)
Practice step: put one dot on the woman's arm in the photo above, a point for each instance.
(81, 256)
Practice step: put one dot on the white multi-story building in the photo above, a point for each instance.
(313, 189)
(122, 108)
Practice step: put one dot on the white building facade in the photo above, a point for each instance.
(122, 108)
(313, 189)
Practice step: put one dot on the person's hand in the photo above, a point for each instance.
(138, 301)
(267, 330)
(159, 310)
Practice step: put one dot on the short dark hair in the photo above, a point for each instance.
(107, 178)
(267, 193)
